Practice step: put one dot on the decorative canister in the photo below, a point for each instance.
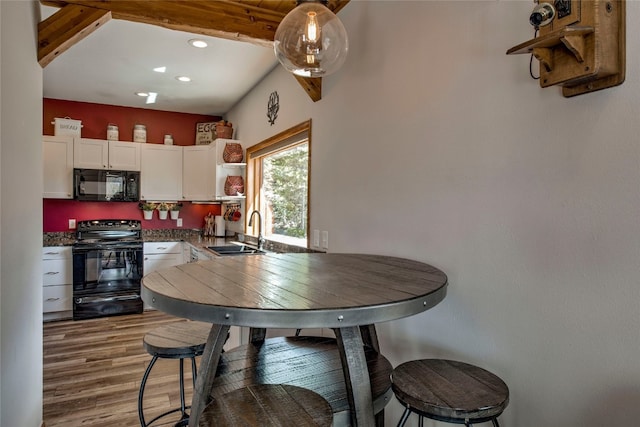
(232, 152)
(168, 139)
(112, 132)
(233, 185)
(139, 133)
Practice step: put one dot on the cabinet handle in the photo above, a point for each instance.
(50, 273)
(146, 259)
(52, 253)
(161, 248)
(53, 299)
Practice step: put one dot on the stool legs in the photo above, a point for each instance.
(184, 419)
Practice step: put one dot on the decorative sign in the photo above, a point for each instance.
(272, 107)
(205, 133)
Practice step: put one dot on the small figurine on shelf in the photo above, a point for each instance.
(209, 225)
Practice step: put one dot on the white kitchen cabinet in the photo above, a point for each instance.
(159, 255)
(161, 172)
(102, 154)
(57, 280)
(199, 172)
(57, 159)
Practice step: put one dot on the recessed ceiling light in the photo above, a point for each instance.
(151, 99)
(198, 43)
(142, 94)
(160, 69)
(183, 79)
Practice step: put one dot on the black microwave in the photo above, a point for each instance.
(101, 185)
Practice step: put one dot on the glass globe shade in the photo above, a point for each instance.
(311, 41)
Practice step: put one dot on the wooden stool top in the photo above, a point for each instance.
(268, 405)
(449, 389)
(177, 340)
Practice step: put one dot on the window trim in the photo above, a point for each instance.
(280, 141)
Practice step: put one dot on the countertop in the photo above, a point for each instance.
(193, 237)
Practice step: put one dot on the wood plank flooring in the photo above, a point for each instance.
(93, 369)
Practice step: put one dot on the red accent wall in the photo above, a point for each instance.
(95, 117)
(58, 212)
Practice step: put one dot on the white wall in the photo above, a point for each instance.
(432, 144)
(21, 217)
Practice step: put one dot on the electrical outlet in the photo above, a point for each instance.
(325, 240)
(316, 238)
(179, 222)
(72, 224)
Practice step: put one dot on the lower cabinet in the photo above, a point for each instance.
(57, 282)
(159, 255)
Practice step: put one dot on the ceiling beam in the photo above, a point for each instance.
(253, 21)
(65, 28)
(227, 19)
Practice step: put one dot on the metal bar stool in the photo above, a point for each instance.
(268, 405)
(449, 391)
(180, 340)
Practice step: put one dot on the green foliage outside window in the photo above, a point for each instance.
(285, 181)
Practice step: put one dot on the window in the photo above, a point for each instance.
(278, 171)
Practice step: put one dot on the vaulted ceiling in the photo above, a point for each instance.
(251, 21)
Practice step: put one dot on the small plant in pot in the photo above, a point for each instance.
(147, 209)
(163, 210)
(174, 209)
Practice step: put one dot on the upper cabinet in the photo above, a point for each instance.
(161, 174)
(101, 154)
(205, 171)
(57, 156)
(198, 172)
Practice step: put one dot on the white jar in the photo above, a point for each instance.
(168, 139)
(112, 132)
(139, 133)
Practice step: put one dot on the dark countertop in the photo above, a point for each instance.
(192, 236)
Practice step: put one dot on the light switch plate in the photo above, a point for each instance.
(325, 240)
(179, 222)
(316, 238)
(72, 224)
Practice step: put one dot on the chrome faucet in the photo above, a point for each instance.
(261, 239)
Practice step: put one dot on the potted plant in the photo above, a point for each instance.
(163, 210)
(147, 209)
(174, 209)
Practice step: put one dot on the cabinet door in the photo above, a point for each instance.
(161, 172)
(91, 153)
(57, 298)
(124, 155)
(198, 172)
(57, 156)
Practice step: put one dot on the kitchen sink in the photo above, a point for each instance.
(235, 250)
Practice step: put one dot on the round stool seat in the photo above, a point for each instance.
(449, 391)
(268, 405)
(177, 340)
(180, 340)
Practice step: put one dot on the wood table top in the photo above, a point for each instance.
(298, 290)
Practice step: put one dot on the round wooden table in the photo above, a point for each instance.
(346, 292)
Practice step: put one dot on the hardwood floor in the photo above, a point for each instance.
(93, 369)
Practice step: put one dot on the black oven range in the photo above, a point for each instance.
(107, 268)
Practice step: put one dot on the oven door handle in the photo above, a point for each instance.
(88, 300)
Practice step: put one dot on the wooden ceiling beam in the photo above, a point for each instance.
(253, 21)
(226, 19)
(65, 28)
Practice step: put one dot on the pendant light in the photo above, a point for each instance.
(311, 41)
